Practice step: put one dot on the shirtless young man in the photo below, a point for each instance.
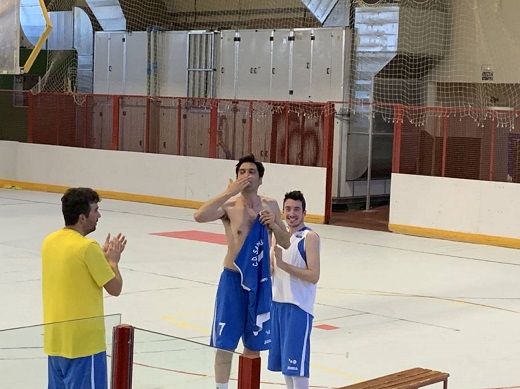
(238, 215)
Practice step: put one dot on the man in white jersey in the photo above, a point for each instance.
(296, 271)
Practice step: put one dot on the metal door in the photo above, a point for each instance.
(135, 77)
(101, 62)
(173, 63)
(228, 59)
(280, 65)
(116, 63)
(254, 65)
(301, 65)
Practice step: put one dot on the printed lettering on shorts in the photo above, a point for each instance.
(292, 363)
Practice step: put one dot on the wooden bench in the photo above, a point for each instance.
(407, 379)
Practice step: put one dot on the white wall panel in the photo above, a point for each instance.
(280, 65)
(227, 69)
(449, 204)
(321, 65)
(301, 65)
(173, 46)
(120, 63)
(340, 64)
(8, 157)
(183, 178)
(135, 77)
(116, 63)
(101, 62)
(254, 65)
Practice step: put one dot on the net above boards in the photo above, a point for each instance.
(413, 53)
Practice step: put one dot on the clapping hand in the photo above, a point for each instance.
(113, 247)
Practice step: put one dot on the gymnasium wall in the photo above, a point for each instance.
(154, 178)
(463, 210)
(484, 33)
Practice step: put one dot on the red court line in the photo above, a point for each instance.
(199, 236)
(326, 327)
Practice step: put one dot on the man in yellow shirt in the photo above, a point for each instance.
(75, 270)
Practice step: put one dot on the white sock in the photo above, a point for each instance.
(221, 386)
(300, 382)
(288, 382)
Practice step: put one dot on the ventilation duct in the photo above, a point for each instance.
(321, 9)
(109, 14)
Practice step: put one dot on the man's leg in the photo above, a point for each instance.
(87, 372)
(55, 375)
(300, 382)
(223, 359)
(227, 328)
(250, 353)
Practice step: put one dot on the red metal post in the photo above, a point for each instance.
(115, 123)
(286, 161)
(122, 356)
(398, 126)
(248, 372)
(274, 132)
(213, 129)
(328, 144)
(179, 125)
(492, 151)
(30, 120)
(147, 126)
(250, 140)
(301, 123)
(58, 116)
(85, 130)
(444, 144)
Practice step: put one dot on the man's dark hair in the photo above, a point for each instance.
(251, 158)
(75, 202)
(297, 196)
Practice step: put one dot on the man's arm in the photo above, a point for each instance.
(115, 285)
(272, 255)
(312, 252)
(272, 219)
(213, 209)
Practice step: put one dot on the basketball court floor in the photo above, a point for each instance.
(385, 302)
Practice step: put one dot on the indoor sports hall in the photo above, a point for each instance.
(400, 117)
(385, 303)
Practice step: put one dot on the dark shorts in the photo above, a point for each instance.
(229, 320)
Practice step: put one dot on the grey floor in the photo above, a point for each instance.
(385, 302)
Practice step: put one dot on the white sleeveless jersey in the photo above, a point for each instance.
(290, 289)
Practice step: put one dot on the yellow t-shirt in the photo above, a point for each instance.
(74, 270)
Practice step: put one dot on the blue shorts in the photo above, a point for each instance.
(291, 346)
(229, 320)
(78, 373)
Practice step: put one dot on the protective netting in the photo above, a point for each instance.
(414, 53)
(446, 54)
(278, 133)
